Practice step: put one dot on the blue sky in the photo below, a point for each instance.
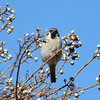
(81, 15)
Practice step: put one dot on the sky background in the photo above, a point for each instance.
(81, 15)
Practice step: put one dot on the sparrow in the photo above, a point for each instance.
(50, 45)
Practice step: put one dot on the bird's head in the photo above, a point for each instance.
(53, 33)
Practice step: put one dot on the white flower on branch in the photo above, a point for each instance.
(76, 94)
(64, 37)
(72, 31)
(11, 88)
(96, 51)
(82, 91)
(73, 37)
(33, 34)
(72, 46)
(40, 45)
(61, 71)
(27, 34)
(78, 38)
(79, 43)
(27, 50)
(38, 99)
(12, 27)
(0, 48)
(66, 40)
(19, 40)
(12, 17)
(5, 50)
(6, 88)
(7, 4)
(72, 62)
(42, 71)
(29, 91)
(10, 22)
(77, 57)
(8, 19)
(2, 55)
(97, 78)
(29, 54)
(75, 52)
(9, 9)
(5, 59)
(4, 76)
(10, 79)
(36, 59)
(47, 69)
(1, 18)
(12, 11)
(12, 95)
(38, 30)
(65, 57)
(25, 91)
(98, 46)
(75, 98)
(10, 56)
(9, 30)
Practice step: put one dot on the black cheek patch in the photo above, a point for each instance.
(54, 34)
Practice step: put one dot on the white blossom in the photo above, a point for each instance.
(12, 27)
(5, 59)
(82, 91)
(33, 34)
(27, 34)
(8, 19)
(8, 9)
(72, 31)
(2, 55)
(29, 54)
(38, 99)
(19, 40)
(12, 11)
(98, 46)
(47, 69)
(40, 45)
(25, 91)
(10, 56)
(97, 78)
(36, 59)
(1, 18)
(6, 88)
(72, 62)
(61, 71)
(0, 48)
(7, 4)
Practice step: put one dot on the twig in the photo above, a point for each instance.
(78, 73)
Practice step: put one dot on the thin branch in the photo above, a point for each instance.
(78, 73)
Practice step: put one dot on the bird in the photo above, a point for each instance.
(50, 45)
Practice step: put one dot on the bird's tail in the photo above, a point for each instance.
(52, 72)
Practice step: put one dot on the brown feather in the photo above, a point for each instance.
(52, 72)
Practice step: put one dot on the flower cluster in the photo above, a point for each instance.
(28, 40)
(97, 52)
(4, 52)
(98, 80)
(75, 42)
(77, 94)
(7, 17)
(7, 87)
